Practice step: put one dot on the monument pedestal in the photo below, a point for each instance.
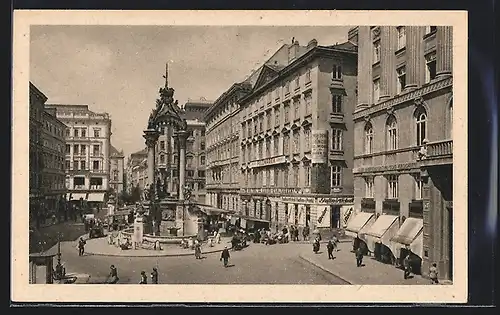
(138, 235)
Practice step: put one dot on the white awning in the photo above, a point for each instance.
(407, 234)
(384, 228)
(417, 246)
(358, 222)
(98, 197)
(77, 196)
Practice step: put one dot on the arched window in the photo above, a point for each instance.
(392, 133)
(421, 126)
(368, 138)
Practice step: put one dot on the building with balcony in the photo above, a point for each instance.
(116, 170)
(53, 172)
(403, 149)
(167, 159)
(223, 148)
(87, 152)
(36, 109)
(297, 137)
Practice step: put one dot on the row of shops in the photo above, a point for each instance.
(388, 237)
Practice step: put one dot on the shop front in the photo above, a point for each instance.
(379, 235)
(409, 240)
(356, 226)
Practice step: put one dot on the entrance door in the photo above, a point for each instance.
(335, 217)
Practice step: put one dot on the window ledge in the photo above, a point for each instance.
(400, 51)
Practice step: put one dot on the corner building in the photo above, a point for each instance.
(403, 148)
(297, 137)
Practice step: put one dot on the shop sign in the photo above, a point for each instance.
(347, 213)
(323, 220)
(335, 200)
(319, 146)
(297, 199)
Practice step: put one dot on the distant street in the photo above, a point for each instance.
(257, 264)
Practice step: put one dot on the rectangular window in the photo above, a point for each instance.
(337, 104)
(202, 160)
(376, 90)
(162, 145)
(296, 109)
(97, 133)
(84, 133)
(297, 82)
(277, 117)
(296, 142)
(368, 187)
(287, 113)
(287, 88)
(202, 146)
(276, 172)
(430, 69)
(307, 139)
(401, 72)
(337, 72)
(162, 159)
(76, 133)
(67, 164)
(96, 150)
(286, 145)
(336, 176)
(401, 37)
(307, 175)
(337, 139)
(419, 185)
(68, 132)
(268, 148)
(286, 176)
(307, 99)
(392, 187)
(268, 120)
(83, 149)
(76, 149)
(68, 149)
(276, 145)
(376, 51)
(295, 176)
(95, 165)
(82, 165)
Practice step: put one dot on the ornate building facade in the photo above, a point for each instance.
(297, 137)
(403, 148)
(87, 160)
(223, 149)
(137, 166)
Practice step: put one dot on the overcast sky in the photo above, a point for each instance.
(118, 69)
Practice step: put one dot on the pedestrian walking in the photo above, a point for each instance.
(225, 256)
(406, 266)
(113, 275)
(81, 246)
(330, 247)
(144, 278)
(154, 276)
(217, 237)
(433, 274)
(335, 242)
(305, 233)
(359, 257)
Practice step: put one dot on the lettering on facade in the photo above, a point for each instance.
(319, 146)
(336, 200)
(298, 199)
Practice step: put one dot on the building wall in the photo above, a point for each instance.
(117, 174)
(425, 59)
(93, 145)
(53, 172)
(37, 100)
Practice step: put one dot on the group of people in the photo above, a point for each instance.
(154, 277)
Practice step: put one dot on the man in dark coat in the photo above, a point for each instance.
(406, 266)
(330, 247)
(359, 256)
(113, 275)
(225, 256)
(81, 246)
(154, 276)
(144, 278)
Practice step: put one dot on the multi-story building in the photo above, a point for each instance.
(137, 170)
(223, 148)
(87, 151)
(403, 148)
(53, 172)
(37, 102)
(167, 159)
(116, 170)
(297, 137)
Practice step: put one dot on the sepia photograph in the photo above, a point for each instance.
(223, 151)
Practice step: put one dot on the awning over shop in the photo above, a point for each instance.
(360, 220)
(407, 235)
(97, 197)
(382, 230)
(77, 196)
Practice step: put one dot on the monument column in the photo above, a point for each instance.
(181, 137)
(444, 51)
(151, 136)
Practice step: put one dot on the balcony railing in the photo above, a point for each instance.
(440, 149)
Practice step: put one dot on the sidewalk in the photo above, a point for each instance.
(100, 247)
(372, 273)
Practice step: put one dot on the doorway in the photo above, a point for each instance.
(335, 217)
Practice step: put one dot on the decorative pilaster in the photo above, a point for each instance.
(414, 60)
(444, 51)
(181, 137)
(387, 62)
(365, 65)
